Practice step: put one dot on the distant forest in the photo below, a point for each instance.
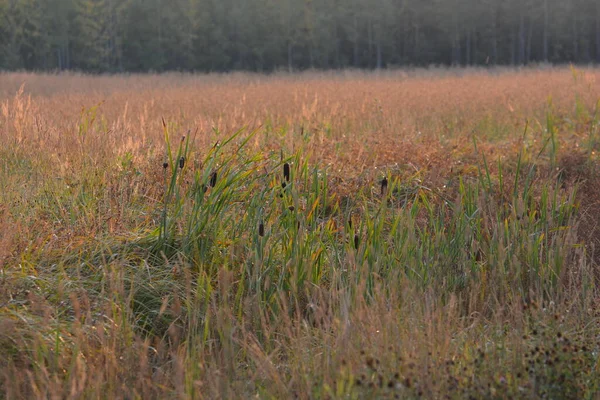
(267, 35)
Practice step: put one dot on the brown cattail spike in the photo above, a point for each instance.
(165, 165)
(181, 162)
(283, 185)
(384, 185)
(261, 229)
(356, 241)
(213, 179)
(286, 172)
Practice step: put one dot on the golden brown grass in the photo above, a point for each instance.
(355, 122)
(363, 120)
(81, 172)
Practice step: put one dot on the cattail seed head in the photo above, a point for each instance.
(283, 185)
(261, 229)
(165, 165)
(213, 179)
(356, 241)
(384, 185)
(181, 162)
(286, 172)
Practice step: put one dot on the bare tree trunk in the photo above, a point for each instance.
(513, 47)
(67, 54)
(370, 41)
(417, 43)
(521, 57)
(474, 46)
(405, 44)
(529, 38)
(337, 47)
(160, 28)
(494, 37)
(575, 39)
(309, 32)
(597, 32)
(456, 53)
(356, 61)
(110, 46)
(468, 48)
(545, 39)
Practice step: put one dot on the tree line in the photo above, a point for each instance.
(266, 35)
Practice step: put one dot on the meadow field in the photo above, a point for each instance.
(347, 235)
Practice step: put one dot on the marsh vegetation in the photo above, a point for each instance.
(325, 235)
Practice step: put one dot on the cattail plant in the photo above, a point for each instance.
(286, 172)
(172, 190)
(384, 185)
(213, 179)
(261, 229)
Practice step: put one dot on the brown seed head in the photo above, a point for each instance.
(370, 362)
(384, 185)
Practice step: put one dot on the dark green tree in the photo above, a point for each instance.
(266, 35)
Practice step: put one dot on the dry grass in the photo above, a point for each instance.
(92, 305)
